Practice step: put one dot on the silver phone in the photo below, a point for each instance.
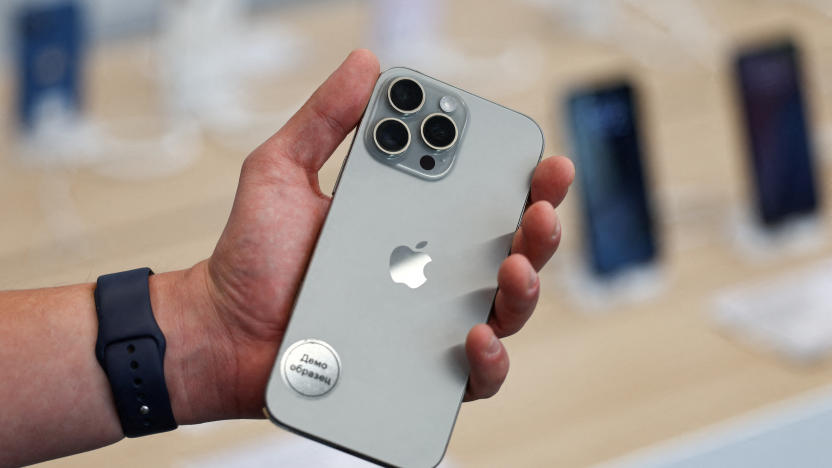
(423, 213)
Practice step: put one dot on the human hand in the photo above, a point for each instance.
(257, 266)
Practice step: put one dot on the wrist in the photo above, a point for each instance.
(200, 362)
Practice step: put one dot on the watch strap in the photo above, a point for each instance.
(131, 349)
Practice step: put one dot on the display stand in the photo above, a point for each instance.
(758, 243)
(788, 314)
(595, 294)
(209, 51)
(124, 148)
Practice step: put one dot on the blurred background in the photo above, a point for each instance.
(684, 322)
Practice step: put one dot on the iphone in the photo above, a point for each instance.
(777, 130)
(618, 219)
(423, 214)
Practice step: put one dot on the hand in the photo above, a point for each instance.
(255, 271)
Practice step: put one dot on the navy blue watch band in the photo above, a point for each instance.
(131, 349)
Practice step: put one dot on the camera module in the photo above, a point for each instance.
(406, 95)
(391, 136)
(439, 131)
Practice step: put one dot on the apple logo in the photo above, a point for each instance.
(408, 266)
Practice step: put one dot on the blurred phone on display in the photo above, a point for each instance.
(777, 132)
(618, 221)
(49, 39)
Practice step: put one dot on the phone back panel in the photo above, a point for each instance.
(403, 368)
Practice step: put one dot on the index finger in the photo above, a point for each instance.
(551, 180)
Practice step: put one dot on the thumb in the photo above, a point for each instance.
(316, 130)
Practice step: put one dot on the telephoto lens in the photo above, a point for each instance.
(391, 136)
(439, 131)
(406, 95)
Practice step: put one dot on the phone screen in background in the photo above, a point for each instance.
(608, 156)
(49, 60)
(777, 132)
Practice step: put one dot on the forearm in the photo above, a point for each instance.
(56, 398)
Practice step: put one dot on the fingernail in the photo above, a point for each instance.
(532, 284)
(493, 346)
(556, 231)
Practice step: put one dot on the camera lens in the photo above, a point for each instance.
(406, 95)
(439, 131)
(391, 136)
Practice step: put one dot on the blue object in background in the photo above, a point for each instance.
(769, 82)
(50, 41)
(608, 153)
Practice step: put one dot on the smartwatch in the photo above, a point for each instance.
(131, 350)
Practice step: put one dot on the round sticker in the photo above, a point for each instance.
(310, 367)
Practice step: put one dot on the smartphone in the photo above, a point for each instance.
(423, 213)
(776, 128)
(49, 41)
(608, 154)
